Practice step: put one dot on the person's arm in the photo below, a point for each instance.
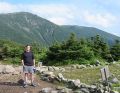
(34, 62)
(22, 61)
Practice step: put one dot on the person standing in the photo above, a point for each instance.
(28, 62)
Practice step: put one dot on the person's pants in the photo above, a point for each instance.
(28, 69)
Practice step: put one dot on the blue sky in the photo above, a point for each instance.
(102, 14)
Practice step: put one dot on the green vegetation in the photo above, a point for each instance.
(25, 28)
(91, 75)
(71, 51)
(10, 52)
(83, 51)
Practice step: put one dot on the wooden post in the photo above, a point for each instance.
(105, 73)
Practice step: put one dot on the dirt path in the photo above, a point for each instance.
(8, 84)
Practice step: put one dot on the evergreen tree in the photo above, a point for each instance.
(100, 48)
(115, 51)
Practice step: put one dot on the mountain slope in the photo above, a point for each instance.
(83, 32)
(24, 27)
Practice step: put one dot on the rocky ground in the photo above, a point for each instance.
(9, 84)
(11, 77)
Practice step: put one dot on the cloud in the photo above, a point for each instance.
(57, 13)
(58, 20)
(60, 13)
(50, 9)
(7, 8)
(104, 20)
(65, 14)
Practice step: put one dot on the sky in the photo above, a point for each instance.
(102, 14)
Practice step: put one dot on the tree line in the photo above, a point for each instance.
(71, 51)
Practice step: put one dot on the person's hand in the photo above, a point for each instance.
(34, 66)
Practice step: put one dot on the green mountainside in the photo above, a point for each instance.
(24, 28)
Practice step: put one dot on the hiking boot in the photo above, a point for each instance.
(34, 85)
(25, 85)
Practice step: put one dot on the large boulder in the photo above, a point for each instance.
(48, 76)
(8, 69)
(1, 68)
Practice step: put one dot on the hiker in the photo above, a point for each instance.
(28, 62)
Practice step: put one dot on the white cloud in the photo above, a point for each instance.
(58, 20)
(7, 8)
(50, 9)
(104, 20)
(63, 14)
(59, 14)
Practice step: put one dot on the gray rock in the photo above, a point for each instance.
(65, 90)
(78, 66)
(59, 87)
(62, 69)
(48, 73)
(97, 63)
(8, 69)
(100, 91)
(77, 83)
(60, 76)
(65, 80)
(50, 68)
(42, 69)
(78, 91)
(83, 85)
(107, 92)
(54, 91)
(45, 78)
(68, 68)
(16, 73)
(1, 68)
(93, 86)
(73, 66)
(46, 90)
(82, 66)
(84, 90)
(56, 68)
(115, 80)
